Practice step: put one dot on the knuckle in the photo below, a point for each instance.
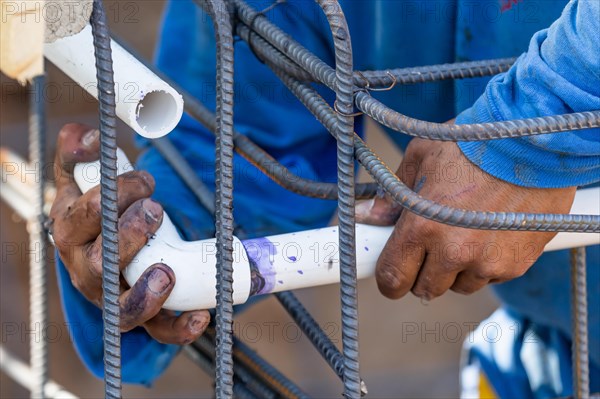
(93, 205)
(390, 281)
(66, 131)
(138, 180)
(513, 272)
(60, 239)
(423, 293)
(464, 290)
(486, 272)
(427, 289)
(135, 227)
(93, 259)
(450, 267)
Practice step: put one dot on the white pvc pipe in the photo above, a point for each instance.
(145, 102)
(277, 263)
(587, 202)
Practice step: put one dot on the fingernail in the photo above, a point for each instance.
(90, 138)
(158, 281)
(152, 209)
(147, 177)
(363, 208)
(197, 324)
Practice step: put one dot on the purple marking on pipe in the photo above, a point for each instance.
(366, 248)
(261, 254)
(292, 258)
(280, 281)
(300, 272)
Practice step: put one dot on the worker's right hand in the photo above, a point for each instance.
(76, 228)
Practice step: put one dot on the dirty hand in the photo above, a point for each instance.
(76, 231)
(427, 257)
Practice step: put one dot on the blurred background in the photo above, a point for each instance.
(408, 348)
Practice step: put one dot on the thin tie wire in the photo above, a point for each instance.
(38, 308)
(108, 200)
(579, 314)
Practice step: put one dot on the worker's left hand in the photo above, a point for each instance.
(429, 258)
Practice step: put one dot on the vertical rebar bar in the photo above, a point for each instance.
(579, 310)
(346, 196)
(224, 198)
(108, 200)
(38, 294)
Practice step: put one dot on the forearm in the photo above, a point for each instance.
(560, 73)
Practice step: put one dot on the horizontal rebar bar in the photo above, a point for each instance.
(407, 198)
(380, 79)
(431, 73)
(258, 157)
(397, 121)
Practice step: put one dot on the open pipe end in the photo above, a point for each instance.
(157, 113)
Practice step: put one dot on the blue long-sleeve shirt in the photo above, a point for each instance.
(558, 74)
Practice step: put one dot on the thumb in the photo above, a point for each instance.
(380, 211)
(383, 210)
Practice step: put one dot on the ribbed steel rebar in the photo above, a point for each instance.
(381, 79)
(579, 315)
(254, 154)
(185, 171)
(38, 293)
(396, 121)
(207, 364)
(402, 194)
(315, 334)
(245, 355)
(268, 53)
(410, 200)
(289, 301)
(431, 73)
(224, 197)
(206, 344)
(478, 131)
(108, 198)
(344, 129)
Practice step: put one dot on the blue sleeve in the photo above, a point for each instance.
(560, 73)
